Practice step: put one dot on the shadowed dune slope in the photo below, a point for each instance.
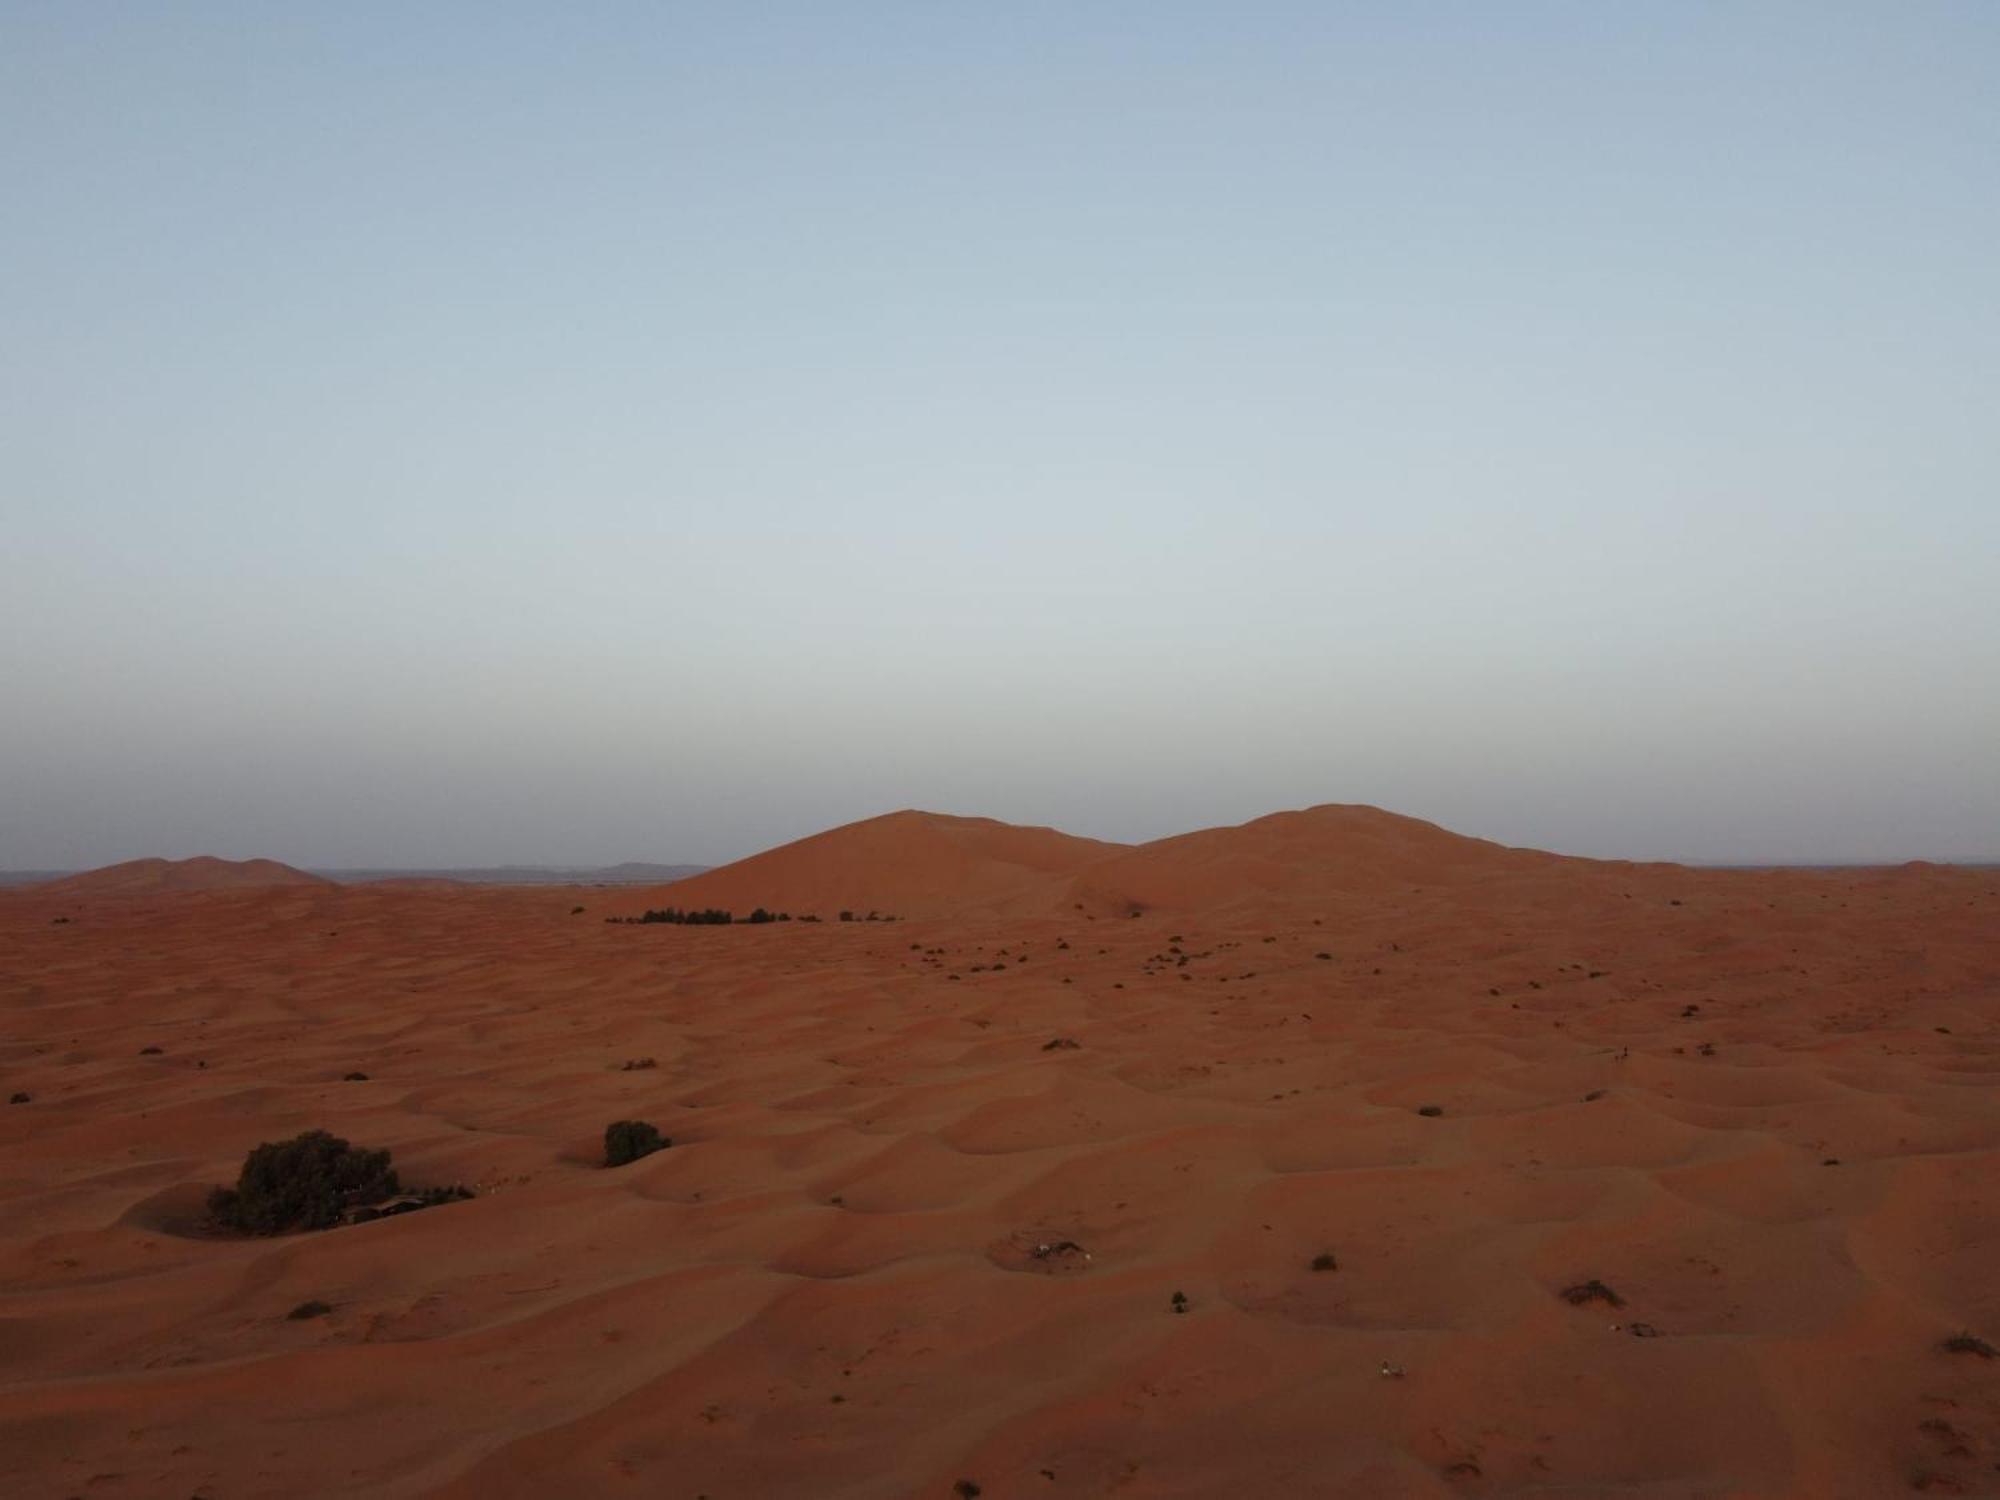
(1303, 855)
(138, 877)
(907, 863)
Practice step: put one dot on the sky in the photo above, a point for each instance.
(458, 434)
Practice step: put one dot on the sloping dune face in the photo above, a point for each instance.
(1414, 1169)
(1295, 857)
(904, 863)
(202, 873)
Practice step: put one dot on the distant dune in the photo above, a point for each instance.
(632, 872)
(919, 863)
(1295, 856)
(904, 863)
(202, 873)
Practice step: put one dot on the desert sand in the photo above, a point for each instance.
(936, 1182)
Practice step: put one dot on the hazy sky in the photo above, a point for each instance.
(451, 434)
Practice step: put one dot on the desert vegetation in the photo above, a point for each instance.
(315, 1180)
(628, 1140)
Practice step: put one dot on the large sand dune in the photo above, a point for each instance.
(1296, 858)
(1760, 1107)
(202, 873)
(905, 863)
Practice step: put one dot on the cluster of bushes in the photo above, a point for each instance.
(315, 1181)
(713, 916)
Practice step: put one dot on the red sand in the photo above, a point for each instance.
(829, 1285)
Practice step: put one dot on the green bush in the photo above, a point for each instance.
(304, 1183)
(628, 1140)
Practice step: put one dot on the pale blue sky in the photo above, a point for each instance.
(454, 434)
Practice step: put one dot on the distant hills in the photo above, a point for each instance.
(205, 873)
(632, 872)
(914, 863)
(139, 877)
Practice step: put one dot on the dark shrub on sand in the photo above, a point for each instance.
(628, 1140)
(307, 1182)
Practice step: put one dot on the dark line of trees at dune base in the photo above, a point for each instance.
(716, 917)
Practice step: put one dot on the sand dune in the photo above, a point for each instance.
(906, 863)
(1294, 857)
(934, 1185)
(202, 873)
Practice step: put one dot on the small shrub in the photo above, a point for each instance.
(628, 1140)
(313, 1309)
(1179, 1302)
(21, 1097)
(304, 1183)
(1967, 1343)
(847, 916)
(637, 1065)
(967, 1489)
(354, 1078)
(1431, 1111)
(1593, 1290)
(576, 911)
(1324, 1261)
(151, 1051)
